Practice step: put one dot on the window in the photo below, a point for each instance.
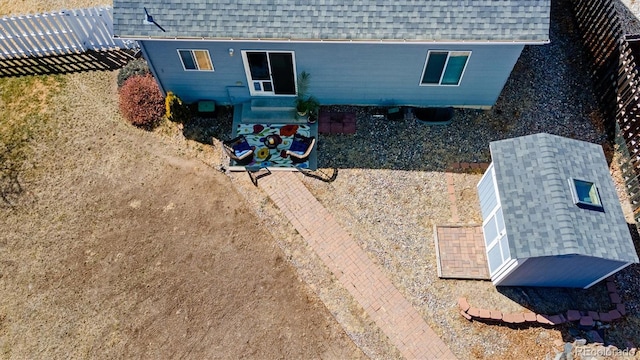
(444, 67)
(196, 60)
(496, 241)
(270, 72)
(585, 194)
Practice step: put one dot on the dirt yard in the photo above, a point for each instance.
(124, 246)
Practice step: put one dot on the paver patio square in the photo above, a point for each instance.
(460, 252)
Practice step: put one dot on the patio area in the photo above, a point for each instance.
(270, 126)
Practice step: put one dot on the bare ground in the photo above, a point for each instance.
(23, 7)
(124, 246)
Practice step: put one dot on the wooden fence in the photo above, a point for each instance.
(616, 80)
(60, 42)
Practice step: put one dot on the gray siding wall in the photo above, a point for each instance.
(342, 73)
(560, 271)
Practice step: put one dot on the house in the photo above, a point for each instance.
(551, 214)
(430, 53)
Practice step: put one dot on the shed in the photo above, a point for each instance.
(551, 214)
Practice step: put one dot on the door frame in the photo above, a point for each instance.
(250, 82)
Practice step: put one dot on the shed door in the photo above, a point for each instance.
(270, 73)
(496, 241)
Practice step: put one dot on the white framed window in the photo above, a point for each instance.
(195, 60)
(270, 73)
(444, 67)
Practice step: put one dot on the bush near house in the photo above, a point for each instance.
(134, 67)
(141, 101)
(176, 110)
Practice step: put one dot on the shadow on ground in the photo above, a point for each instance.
(626, 332)
(202, 128)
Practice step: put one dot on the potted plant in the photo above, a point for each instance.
(312, 106)
(306, 105)
(301, 107)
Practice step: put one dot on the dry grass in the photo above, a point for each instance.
(23, 7)
(24, 122)
(133, 249)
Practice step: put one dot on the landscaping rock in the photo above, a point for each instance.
(615, 315)
(558, 342)
(615, 298)
(573, 315)
(604, 317)
(586, 321)
(496, 315)
(594, 337)
(475, 312)
(529, 316)
(557, 319)
(518, 318)
(567, 351)
(580, 342)
(508, 318)
(463, 304)
(543, 319)
(543, 335)
(485, 314)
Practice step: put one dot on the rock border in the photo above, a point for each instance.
(586, 319)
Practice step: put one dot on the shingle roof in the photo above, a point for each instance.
(413, 20)
(541, 218)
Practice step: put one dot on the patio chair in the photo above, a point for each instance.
(300, 148)
(239, 150)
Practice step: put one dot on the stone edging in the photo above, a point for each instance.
(586, 319)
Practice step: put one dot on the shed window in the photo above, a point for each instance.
(196, 60)
(444, 67)
(585, 194)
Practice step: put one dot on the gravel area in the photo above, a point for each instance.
(628, 12)
(549, 91)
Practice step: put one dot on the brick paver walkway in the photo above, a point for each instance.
(366, 282)
(451, 190)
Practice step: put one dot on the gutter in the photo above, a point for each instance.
(337, 41)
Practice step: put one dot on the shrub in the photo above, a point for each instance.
(176, 110)
(141, 101)
(134, 67)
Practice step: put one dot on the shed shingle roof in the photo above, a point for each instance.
(411, 20)
(541, 219)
